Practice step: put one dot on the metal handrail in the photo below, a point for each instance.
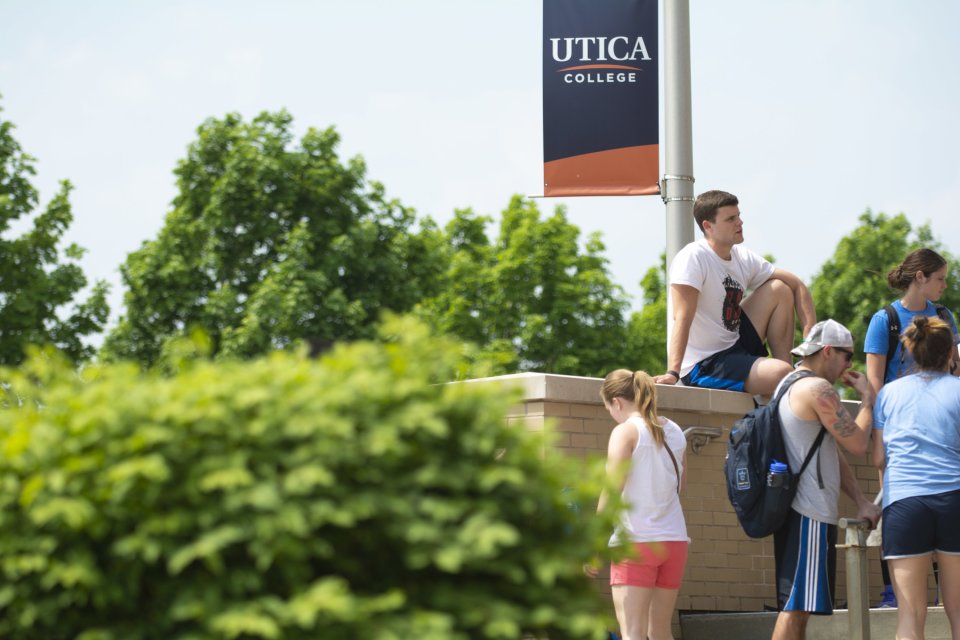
(858, 607)
(699, 437)
(858, 539)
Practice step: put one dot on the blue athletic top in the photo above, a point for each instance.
(877, 340)
(919, 415)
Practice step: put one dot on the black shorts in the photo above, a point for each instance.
(920, 525)
(729, 369)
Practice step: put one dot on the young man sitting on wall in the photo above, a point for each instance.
(716, 336)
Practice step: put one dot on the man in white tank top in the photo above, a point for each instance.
(805, 548)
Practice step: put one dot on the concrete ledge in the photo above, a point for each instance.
(550, 386)
(759, 626)
(557, 388)
(705, 401)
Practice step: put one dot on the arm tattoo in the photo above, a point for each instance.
(829, 402)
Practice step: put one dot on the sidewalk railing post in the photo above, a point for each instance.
(858, 588)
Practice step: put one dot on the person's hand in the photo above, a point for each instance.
(667, 378)
(592, 568)
(859, 383)
(870, 512)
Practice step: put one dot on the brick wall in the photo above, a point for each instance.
(726, 570)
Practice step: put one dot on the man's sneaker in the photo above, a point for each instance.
(887, 599)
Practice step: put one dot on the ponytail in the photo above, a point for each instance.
(645, 399)
(638, 388)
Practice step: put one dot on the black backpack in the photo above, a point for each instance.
(756, 440)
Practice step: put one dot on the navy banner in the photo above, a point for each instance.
(600, 97)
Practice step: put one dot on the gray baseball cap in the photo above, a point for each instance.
(826, 333)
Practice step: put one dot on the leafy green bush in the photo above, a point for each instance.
(350, 497)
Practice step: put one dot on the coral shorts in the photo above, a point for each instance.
(657, 564)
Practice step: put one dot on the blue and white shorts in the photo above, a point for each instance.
(805, 551)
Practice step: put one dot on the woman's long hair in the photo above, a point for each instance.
(638, 388)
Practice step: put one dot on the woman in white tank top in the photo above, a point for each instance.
(646, 458)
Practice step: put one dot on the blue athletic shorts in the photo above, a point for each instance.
(728, 369)
(920, 525)
(805, 554)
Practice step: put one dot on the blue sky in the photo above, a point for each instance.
(809, 111)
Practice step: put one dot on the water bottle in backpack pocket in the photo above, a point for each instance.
(778, 474)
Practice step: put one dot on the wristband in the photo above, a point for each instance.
(674, 374)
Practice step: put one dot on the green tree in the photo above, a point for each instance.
(647, 328)
(533, 300)
(852, 285)
(352, 496)
(269, 243)
(39, 279)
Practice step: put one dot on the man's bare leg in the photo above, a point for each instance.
(770, 309)
(791, 625)
(765, 375)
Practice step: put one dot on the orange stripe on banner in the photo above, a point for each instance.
(629, 171)
(599, 66)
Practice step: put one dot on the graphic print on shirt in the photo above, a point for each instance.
(731, 303)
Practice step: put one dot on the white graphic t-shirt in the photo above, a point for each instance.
(722, 284)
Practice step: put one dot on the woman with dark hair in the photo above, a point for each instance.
(922, 277)
(918, 420)
(645, 586)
